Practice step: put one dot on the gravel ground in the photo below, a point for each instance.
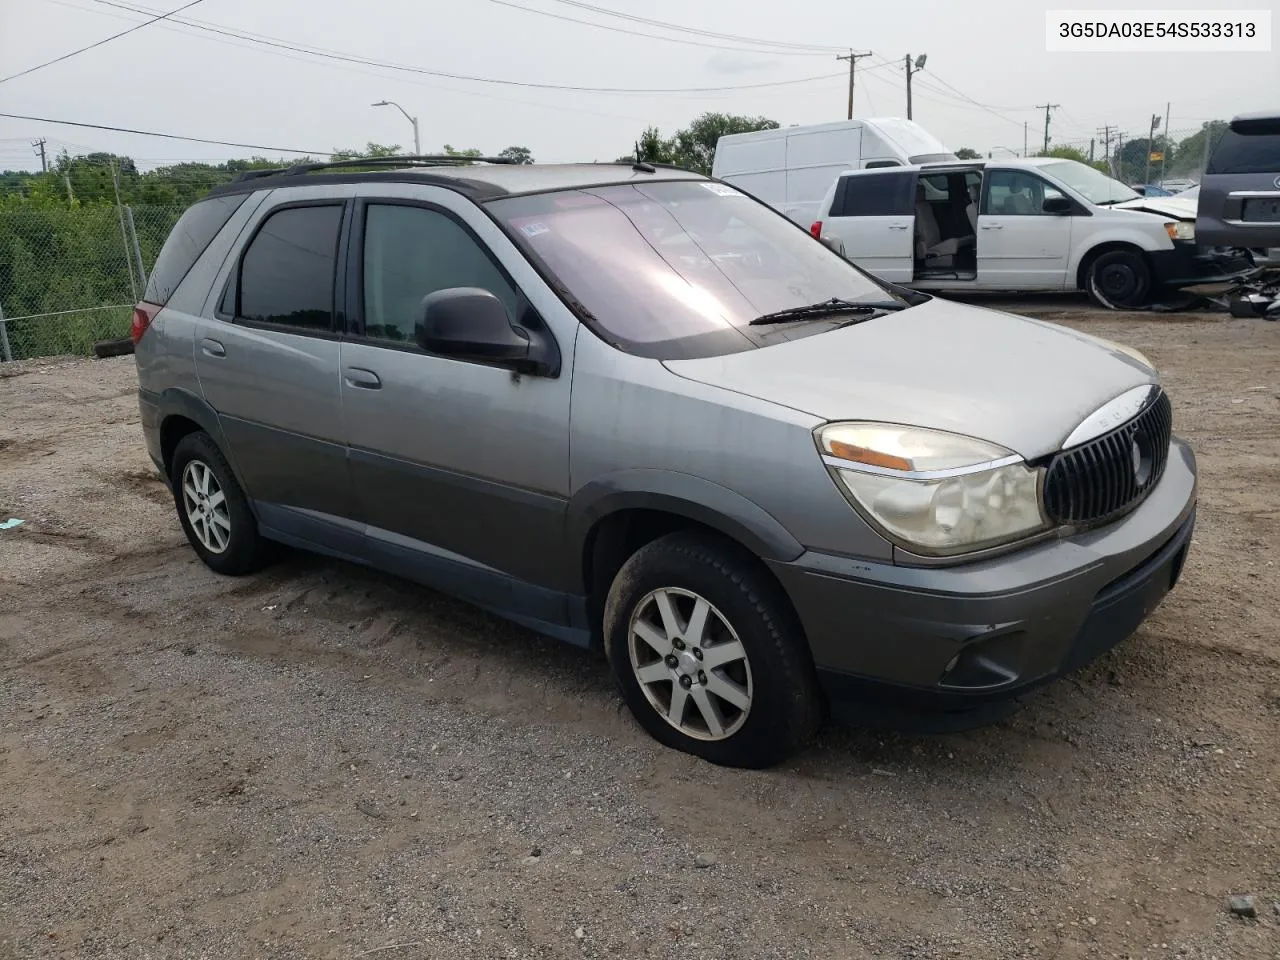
(319, 761)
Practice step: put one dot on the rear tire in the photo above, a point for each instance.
(213, 510)
(1118, 279)
(708, 654)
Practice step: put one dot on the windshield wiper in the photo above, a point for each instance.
(827, 308)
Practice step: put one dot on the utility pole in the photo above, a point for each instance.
(1046, 107)
(1119, 171)
(1163, 158)
(1105, 134)
(1091, 149)
(39, 146)
(1024, 139)
(1151, 143)
(919, 65)
(853, 59)
(1206, 128)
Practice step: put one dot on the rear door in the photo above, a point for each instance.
(1239, 204)
(268, 360)
(873, 215)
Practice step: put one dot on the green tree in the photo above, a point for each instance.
(371, 151)
(968, 153)
(464, 155)
(1190, 152)
(695, 146)
(517, 154)
(1072, 153)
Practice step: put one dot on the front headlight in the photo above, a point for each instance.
(933, 492)
(1181, 230)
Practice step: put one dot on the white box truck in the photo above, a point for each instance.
(791, 168)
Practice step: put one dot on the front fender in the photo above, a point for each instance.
(684, 495)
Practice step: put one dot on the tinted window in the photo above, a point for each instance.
(876, 195)
(287, 273)
(410, 252)
(1014, 193)
(189, 237)
(1247, 152)
(675, 269)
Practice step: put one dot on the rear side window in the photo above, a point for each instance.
(1253, 149)
(875, 195)
(288, 271)
(189, 237)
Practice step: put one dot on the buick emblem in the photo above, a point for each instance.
(1276, 181)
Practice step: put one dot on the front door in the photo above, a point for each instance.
(1020, 246)
(460, 466)
(873, 214)
(268, 363)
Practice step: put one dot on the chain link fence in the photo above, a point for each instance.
(69, 275)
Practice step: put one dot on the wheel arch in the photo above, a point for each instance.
(609, 520)
(1106, 246)
(183, 413)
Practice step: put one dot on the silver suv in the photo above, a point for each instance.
(633, 408)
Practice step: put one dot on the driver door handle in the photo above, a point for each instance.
(212, 348)
(899, 226)
(993, 226)
(360, 377)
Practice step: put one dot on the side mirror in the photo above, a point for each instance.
(1058, 205)
(470, 324)
(835, 243)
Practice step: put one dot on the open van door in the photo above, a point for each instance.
(873, 214)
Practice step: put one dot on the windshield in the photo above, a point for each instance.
(678, 269)
(1094, 186)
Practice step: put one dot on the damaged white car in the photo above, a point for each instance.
(1038, 224)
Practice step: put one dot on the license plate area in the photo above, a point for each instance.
(1261, 210)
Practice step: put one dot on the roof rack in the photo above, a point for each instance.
(425, 160)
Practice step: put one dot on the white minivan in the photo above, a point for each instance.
(1039, 223)
(790, 168)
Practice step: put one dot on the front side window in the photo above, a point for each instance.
(410, 252)
(1016, 193)
(287, 274)
(678, 269)
(1094, 185)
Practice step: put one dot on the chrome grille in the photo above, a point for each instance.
(1105, 476)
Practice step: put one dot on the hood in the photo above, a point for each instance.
(1177, 208)
(1021, 383)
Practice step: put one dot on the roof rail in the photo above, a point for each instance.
(425, 160)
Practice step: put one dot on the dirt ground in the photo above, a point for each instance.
(320, 761)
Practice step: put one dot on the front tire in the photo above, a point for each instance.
(708, 654)
(213, 510)
(1119, 279)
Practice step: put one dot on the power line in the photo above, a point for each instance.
(166, 136)
(662, 24)
(68, 56)
(654, 36)
(365, 61)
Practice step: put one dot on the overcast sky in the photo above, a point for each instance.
(987, 69)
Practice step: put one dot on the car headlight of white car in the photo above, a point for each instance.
(1181, 230)
(934, 493)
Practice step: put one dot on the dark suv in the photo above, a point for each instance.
(1239, 204)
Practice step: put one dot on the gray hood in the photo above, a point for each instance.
(1024, 384)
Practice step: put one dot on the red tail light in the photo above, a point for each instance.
(816, 229)
(143, 314)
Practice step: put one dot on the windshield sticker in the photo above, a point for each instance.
(722, 190)
(534, 229)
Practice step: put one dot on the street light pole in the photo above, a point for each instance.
(417, 145)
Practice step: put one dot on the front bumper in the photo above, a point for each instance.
(947, 639)
(1188, 265)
